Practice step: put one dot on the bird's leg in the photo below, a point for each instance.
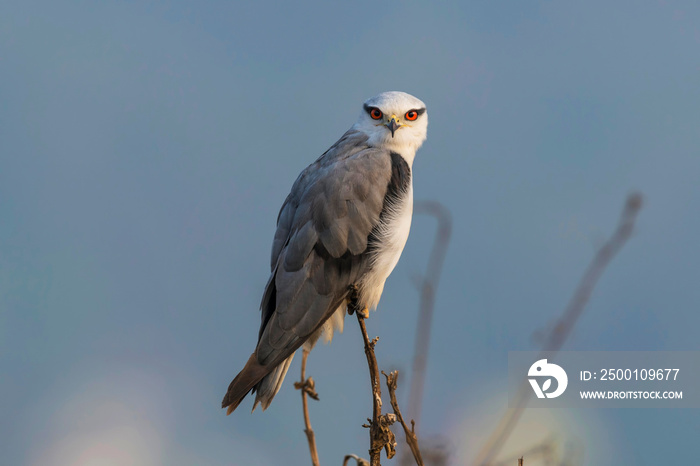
(353, 296)
(353, 303)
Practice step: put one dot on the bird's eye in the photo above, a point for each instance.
(375, 113)
(411, 115)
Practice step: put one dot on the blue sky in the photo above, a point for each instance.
(146, 147)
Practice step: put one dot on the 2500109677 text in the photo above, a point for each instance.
(631, 374)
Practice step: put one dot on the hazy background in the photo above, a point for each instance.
(146, 147)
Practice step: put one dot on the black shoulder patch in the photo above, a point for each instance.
(400, 176)
(398, 186)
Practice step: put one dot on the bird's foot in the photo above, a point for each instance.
(353, 304)
(308, 386)
(364, 313)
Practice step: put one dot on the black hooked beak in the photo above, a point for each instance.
(392, 125)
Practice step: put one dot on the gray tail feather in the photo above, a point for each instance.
(244, 382)
(258, 378)
(267, 388)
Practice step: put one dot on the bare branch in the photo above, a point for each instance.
(544, 451)
(380, 434)
(562, 329)
(411, 438)
(360, 461)
(428, 286)
(307, 388)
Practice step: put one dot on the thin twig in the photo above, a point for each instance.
(307, 388)
(428, 287)
(411, 438)
(360, 461)
(562, 329)
(543, 450)
(380, 434)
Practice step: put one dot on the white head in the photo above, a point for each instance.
(396, 121)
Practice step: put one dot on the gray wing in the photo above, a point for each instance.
(321, 243)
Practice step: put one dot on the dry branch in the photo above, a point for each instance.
(562, 329)
(411, 438)
(545, 451)
(428, 287)
(380, 434)
(360, 461)
(307, 388)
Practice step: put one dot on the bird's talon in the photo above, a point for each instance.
(352, 305)
(364, 313)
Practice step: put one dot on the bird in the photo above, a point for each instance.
(340, 233)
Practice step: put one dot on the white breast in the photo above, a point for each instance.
(391, 239)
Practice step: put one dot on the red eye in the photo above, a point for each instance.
(375, 113)
(411, 115)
